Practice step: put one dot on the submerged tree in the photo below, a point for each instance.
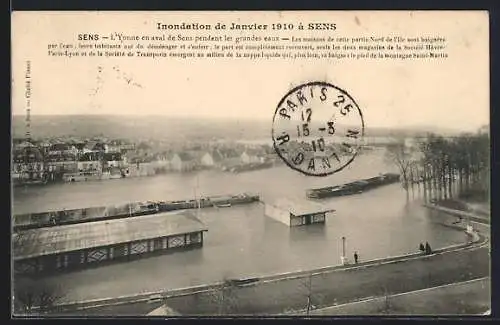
(403, 157)
(463, 160)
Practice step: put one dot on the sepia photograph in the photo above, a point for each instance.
(277, 163)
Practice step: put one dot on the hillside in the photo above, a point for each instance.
(163, 127)
(159, 127)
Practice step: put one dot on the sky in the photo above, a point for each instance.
(451, 93)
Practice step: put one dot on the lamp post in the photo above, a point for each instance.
(342, 258)
(469, 228)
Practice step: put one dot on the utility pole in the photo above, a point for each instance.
(309, 293)
(386, 309)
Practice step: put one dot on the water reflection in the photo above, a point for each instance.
(312, 232)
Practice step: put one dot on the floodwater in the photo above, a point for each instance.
(241, 241)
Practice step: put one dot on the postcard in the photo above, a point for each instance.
(251, 163)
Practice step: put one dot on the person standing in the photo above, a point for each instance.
(53, 220)
(356, 257)
(428, 249)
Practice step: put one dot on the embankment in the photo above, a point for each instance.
(458, 213)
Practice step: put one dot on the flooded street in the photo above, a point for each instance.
(241, 241)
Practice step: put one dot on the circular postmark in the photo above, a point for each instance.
(317, 129)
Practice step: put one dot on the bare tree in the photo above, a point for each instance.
(465, 157)
(308, 286)
(34, 296)
(312, 298)
(225, 297)
(403, 157)
(388, 307)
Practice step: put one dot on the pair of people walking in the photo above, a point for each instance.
(425, 249)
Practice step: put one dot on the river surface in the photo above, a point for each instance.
(241, 241)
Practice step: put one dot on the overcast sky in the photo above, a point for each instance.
(452, 93)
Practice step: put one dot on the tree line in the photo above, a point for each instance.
(440, 168)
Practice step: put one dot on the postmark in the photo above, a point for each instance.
(318, 129)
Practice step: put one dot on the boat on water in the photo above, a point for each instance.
(224, 205)
(135, 209)
(113, 173)
(251, 167)
(351, 188)
(82, 177)
(29, 182)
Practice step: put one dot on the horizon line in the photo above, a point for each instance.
(259, 119)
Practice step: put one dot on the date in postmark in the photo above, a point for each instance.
(318, 129)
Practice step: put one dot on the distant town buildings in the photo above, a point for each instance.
(98, 158)
(252, 155)
(76, 160)
(183, 162)
(28, 163)
(212, 158)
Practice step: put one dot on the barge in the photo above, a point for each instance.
(251, 167)
(92, 176)
(353, 187)
(72, 216)
(18, 182)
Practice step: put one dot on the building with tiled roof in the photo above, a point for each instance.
(211, 158)
(252, 155)
(63, 150)
(183, 161)
(27, 163)
(80, 146)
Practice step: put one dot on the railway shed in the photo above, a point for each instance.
(296, 212)
(80, 245)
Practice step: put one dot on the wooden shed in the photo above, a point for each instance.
(79, 245)
(296, 212)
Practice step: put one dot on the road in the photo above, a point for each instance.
(327, 289)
